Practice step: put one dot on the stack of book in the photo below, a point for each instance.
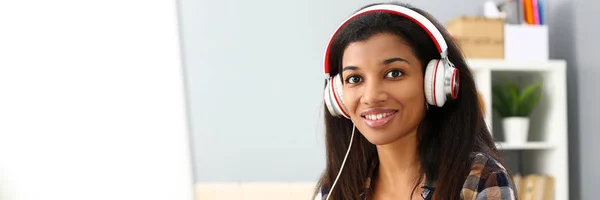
(534, 186)
(525, 11)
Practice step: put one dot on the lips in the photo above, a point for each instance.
(378, 117)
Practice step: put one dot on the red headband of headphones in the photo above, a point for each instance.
(419, 19)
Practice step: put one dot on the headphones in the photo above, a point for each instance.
(441, 77)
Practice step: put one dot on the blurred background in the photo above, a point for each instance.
(254, 83)
(197, 99)
(261, 61)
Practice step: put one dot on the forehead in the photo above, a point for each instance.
(377, 48)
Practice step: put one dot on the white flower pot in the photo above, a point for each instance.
(516, 129)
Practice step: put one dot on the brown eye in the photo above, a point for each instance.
(353, 79)
(394, 74)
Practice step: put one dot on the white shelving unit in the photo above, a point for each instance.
(526, 146)
(546, 150)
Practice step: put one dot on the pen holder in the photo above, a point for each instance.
(525, 42)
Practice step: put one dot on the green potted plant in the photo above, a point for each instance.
(514, 105)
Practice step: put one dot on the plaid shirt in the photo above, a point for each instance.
(488, 180)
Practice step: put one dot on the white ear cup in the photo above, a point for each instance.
(428, 82)
(334, 97)
(327, 97)
(339, 94)
(438, 91)
(434, 84)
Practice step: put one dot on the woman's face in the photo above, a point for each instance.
(383, 88)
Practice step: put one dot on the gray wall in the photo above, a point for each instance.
(255, 79)
(573, 28)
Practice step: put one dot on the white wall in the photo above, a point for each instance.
(92, 101)
(255, 76)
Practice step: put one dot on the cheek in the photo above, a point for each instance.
(351, 96)
(412, 95)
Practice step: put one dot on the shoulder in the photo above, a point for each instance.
(487, 180)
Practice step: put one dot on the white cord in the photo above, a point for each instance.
(343, 162)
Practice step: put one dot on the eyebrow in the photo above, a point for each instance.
(350, 68)
(391, 60)
(385, 62)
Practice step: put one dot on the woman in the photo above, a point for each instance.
(393, 77)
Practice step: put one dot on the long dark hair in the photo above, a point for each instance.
(447, 135)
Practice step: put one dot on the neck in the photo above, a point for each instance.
(399, 162)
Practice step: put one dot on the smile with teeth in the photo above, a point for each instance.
(379, 116)
(379, 119)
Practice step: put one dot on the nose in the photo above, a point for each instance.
(373, 93)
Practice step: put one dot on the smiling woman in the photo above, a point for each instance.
(383, 62)
(393, 77)
(374, 117)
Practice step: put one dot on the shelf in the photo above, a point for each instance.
(546, 153)
(525, 146)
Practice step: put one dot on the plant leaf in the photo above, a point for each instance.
(499, 101)
(529, 98)
(513, 91)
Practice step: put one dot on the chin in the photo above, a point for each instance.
(378, 141)
(381, 137)
(385, 135)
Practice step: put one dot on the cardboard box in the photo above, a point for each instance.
(478, 37)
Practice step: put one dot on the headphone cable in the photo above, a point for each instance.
(343, 162)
